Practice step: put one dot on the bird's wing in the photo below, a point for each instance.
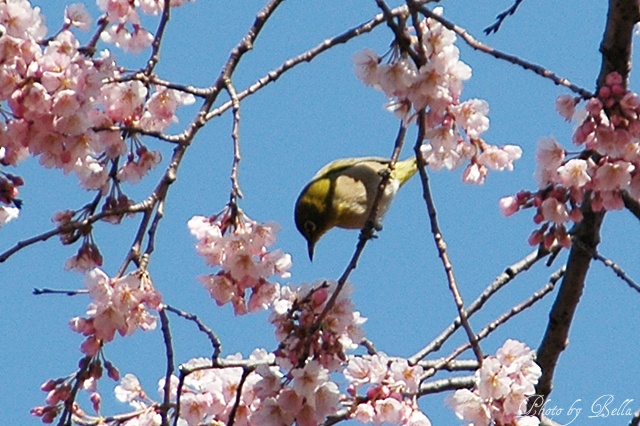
(343, 163)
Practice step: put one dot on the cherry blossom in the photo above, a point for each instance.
(119, 305)
(76, 15)
(294, 314)
(502, 384)
(566, 106)
(453, 127)
(609, 132)
(389, 386)
(238, 245)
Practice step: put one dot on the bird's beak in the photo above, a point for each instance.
(310, 247)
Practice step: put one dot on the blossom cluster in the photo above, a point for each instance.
(453, 127)
(238, 245)
(303, 334)
(502, 385)
(266, 396)
(126, 29)
(390, 388)
(609, 132)
(119, 304)
(61, 104)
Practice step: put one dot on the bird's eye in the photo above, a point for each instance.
(309, 227)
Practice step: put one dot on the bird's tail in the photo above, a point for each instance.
(405, 169)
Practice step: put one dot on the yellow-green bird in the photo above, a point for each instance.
(342, 194)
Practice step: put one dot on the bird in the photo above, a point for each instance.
(342, 194)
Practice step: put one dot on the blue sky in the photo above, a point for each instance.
(311, 115)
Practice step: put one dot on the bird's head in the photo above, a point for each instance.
(313, 213)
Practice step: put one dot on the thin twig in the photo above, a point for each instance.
(166, 333)
(450, 365)
(488, 329)
(235, 136)
(79, 378)
(441, 245)
(155, 44)
(402, 39)
(444, 385)
(493, 28)
(538, 295)
(475, 44)
(618, 270)
(72, 226)
(236, 404)
(41, 291)
(215, 341)
(307, 56)
(502, 280)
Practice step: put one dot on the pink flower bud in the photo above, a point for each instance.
(604, 93)
(112, 371)
(535, 238)
(95, 399)
(618, 90)
(319, 297)
(613, 78)
(509, 205)
(49, 385)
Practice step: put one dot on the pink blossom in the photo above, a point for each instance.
(500, 158)
(129, 389)
(194, 407)
(566, 106)
(307, 380)
(474, 173)
(388, 410)
(161, 107)
(123, 101)
(613, 175)
(629, 104)
(554, 211)
(116, 9)
(364, 413)
(471, 115)
(77, 15)
(120, 304)
(366, 66)
(88, 257)
(341, 325)
(239, 247)
(272, 414)
(493, 382)
(406, 375)
(611, 200)
(549, 157)
(396, 78)
(574, 173)
(21, 20)
(503, 383)
(417, 418)
(325, 400)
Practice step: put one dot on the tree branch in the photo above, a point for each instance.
(475, 44)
